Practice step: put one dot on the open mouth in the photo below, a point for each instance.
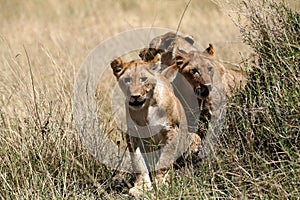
(137, 104)
(201, 92)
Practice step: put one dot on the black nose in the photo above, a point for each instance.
(135, 97)
(203, 90)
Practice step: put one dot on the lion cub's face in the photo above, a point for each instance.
(197, 68)
(136, 80)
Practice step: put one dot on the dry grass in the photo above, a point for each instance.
(41, 155)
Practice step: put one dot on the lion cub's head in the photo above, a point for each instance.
(137, 79)
(198, 69)
(166, 45)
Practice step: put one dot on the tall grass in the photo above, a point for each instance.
(264, 119)
(41, 156)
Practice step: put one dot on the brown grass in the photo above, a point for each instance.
(41, 155)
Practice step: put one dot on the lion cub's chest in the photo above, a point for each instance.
(156, 124)
(157, 116)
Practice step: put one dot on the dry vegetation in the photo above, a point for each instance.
(43, 43)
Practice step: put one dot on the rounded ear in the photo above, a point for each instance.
(143, 54)
(210, 50)
(181, 61)
(117, 66)
(157, 59)
(157, 63)
(147, 54)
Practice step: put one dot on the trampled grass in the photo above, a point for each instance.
(41, 155)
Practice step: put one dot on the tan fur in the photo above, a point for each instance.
(196, 67)
(155, 119)
(167, 45)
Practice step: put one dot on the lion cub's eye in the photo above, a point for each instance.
(127, 80)
(143, 79)
(195, 71)
(210, 69)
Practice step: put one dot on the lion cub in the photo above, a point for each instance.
(200, 84)
(156, 125)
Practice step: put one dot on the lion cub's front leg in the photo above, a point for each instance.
(142, 178)
(175, 145)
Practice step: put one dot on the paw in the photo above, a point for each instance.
(138, 190)
(141, 185)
